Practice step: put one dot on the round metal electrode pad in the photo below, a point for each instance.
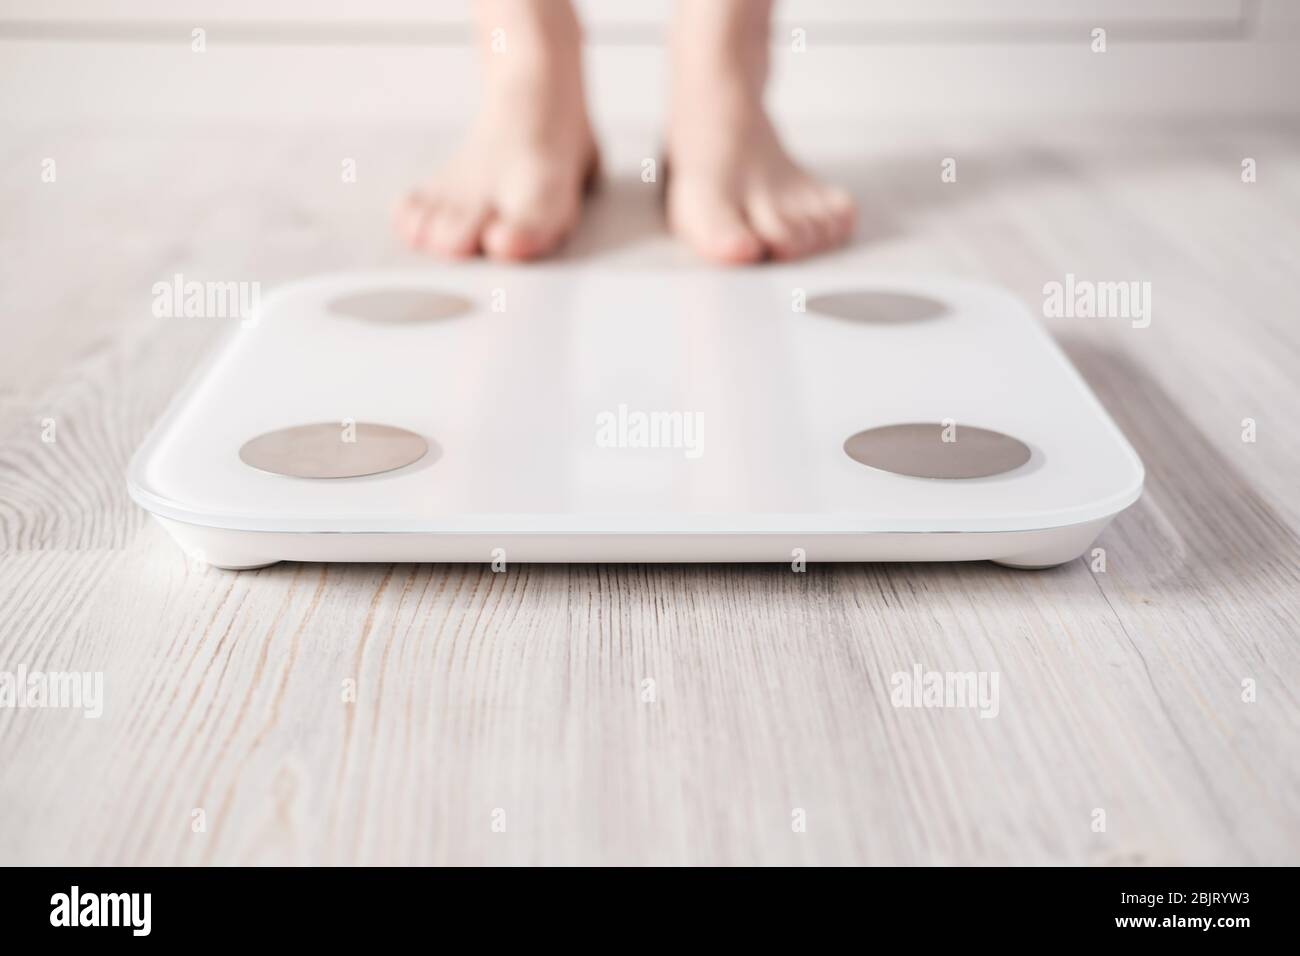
(876, 307)
(401, 306)
(333, 450)
(937, 451)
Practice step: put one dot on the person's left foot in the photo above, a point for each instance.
(736, 196)
(733, 192)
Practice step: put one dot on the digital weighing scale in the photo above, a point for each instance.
(559, 414)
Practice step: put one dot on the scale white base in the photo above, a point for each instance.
(244, 550)
(511, 404)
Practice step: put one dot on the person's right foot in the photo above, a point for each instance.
(514, 190)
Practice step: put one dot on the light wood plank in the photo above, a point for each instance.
(1120, 690)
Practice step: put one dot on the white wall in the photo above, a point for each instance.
(289, 60)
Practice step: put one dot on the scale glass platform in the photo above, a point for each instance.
(478, 414)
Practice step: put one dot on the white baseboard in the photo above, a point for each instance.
(92, 81)
(80, 59)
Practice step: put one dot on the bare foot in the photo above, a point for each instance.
(733, 192)
(514, 189)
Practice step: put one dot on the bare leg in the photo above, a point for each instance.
(514, 190)
(734, 193)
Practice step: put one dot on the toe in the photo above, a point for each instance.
(515, 240)
(824, 214)
(836, 210)
(712, 224)
(411, 218)
(816, 231)
(454, 229)
(785, 235)
(820, 222)
(532, 223)
(841, 203)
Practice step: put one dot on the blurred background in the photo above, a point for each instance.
(289, 60)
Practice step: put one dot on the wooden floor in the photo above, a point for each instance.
(500, 718)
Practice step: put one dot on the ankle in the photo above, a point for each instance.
(715, 100)
(722, 44)
(537, 57)
(540, 34)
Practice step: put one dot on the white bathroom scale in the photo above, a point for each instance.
(556, 413)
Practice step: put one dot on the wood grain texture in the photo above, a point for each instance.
(523, 691)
